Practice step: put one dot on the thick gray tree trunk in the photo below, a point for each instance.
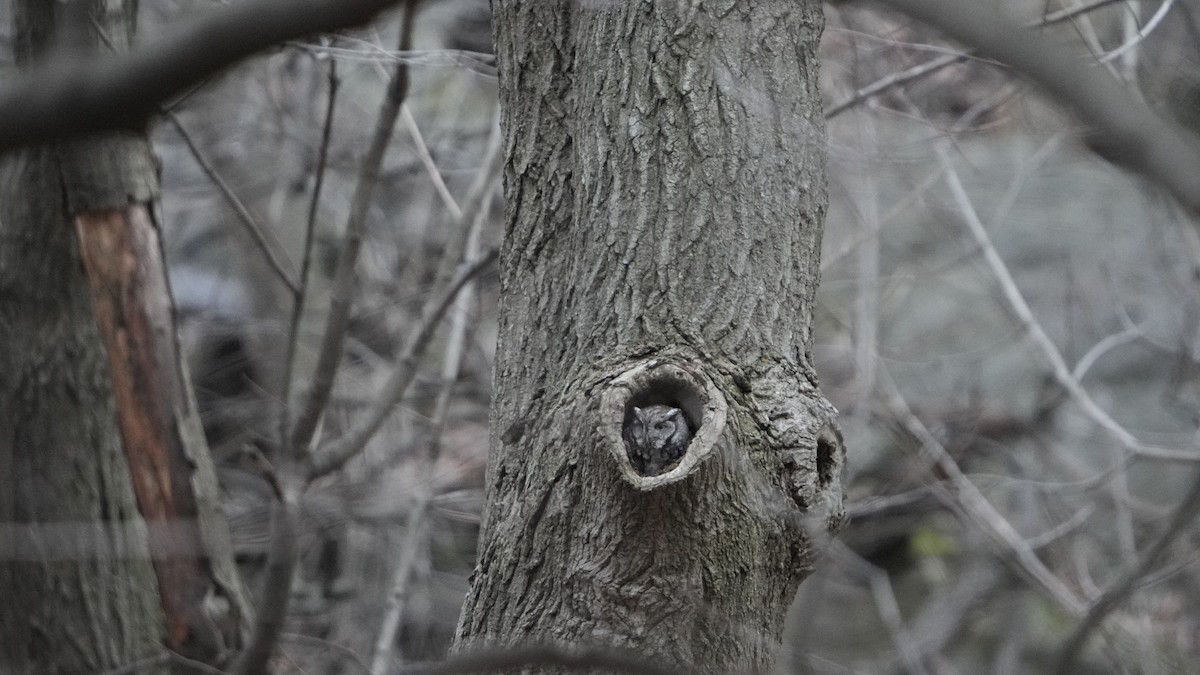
(666, 193)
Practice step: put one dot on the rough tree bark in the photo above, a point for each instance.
(78, 584)
(666, 193)
(98, 587)
(79, 589)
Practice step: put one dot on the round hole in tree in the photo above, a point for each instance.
(829, 443)
(660, 422)
(672, 391)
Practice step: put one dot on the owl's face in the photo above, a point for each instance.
(656, 436)
(657, 426)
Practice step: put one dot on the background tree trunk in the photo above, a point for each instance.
(99, 588)
(665, 194)
(74, 570)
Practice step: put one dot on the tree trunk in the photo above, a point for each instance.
(77, 582)
(98, 588)
(665, 194)
(78, 586)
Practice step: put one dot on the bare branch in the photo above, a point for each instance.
(349, 656)
(141, 665)
(410, 122)
(479, 63)
(281, 561)
(1122, 127)
(397, 384)
(277, 584)
(122, 92)
(1024, 315)
(1017, 551)
(427, 161)
(933, 65)
(275, 258)
(1137, 38)
(1031, 326)
(479, 197)
(414, 543)
(330, 354)
(310, 228)
(885, 603)
(977, 508)
(894, 80)
(1184, 514)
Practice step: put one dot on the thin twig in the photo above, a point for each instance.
(1062, 529)
(330, 352)
(479, 63)
(351, 657)
(1101, 348)
(481, 188)
(1122, 127)
(193, 665)
(456, 340)
(275, 258)
(1024, 315)
(1138, 37)
(451, 364)
(934, 65)
(439, 184)
(1058, 365)
(1087, 32)
(266, 243)
(282, 553)
(346, 448)
(310, 228)
(426, 159)
(873, 505)
(975, 505)
(1183, 515)
(866, 305)
(893, 80)
(412, 545)
(153, 661)
(915, 194)
(885, 603)
(967, 497)
(1028, 167)
(946, 617)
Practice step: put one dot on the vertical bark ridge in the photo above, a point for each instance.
(665, 200)
(699, 118)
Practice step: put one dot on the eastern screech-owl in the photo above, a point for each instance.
(656, 436)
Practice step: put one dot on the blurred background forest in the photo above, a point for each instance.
(991, 290)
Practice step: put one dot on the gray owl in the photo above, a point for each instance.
(656, 436)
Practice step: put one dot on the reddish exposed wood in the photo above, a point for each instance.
(131, 304)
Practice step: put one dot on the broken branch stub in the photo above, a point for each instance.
(665, 382)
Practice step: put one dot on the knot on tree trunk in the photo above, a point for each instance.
(660, 384)
(807, 454)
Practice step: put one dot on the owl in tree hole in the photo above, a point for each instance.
(656, 436)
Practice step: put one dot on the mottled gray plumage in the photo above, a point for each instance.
(656, 436)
